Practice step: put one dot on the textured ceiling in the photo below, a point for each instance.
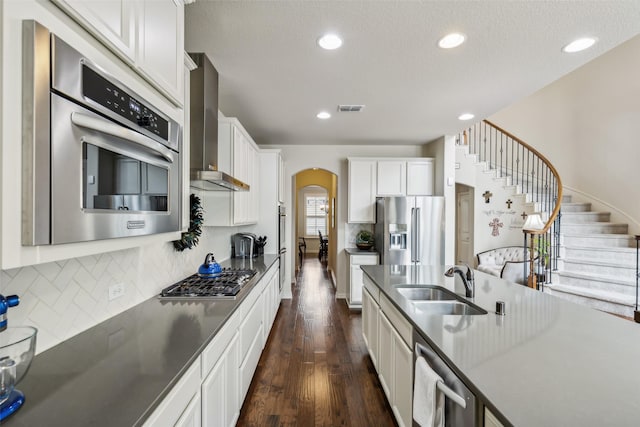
(275, 79)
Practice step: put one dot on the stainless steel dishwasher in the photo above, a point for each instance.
(455, 414)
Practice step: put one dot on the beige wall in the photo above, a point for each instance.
(588, 125)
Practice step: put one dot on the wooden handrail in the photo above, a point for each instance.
(556, 209)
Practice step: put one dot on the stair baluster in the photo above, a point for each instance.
(529, 170)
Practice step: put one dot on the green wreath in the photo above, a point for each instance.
(190, 238)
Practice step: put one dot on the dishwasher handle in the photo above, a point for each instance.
(455, 397)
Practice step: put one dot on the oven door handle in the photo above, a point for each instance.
(109, 128)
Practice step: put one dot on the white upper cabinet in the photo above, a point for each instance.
(362, 190)
(147, 34)
(238, 157)
(281, 185)
(113, 21)
(371, 177)
(161, 45)
(420, 178)
(392, 178)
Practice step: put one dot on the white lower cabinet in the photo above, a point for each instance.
(192, 415)
(174, 405)
(385, 356)
(370, 319)
(388, 339)
(212, 391)
(356, 276)
(402, 381)
(220, 389)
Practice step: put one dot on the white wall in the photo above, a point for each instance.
(443, 151)
(588, 125)
(334, 159)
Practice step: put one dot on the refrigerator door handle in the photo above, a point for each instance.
(412, 236)
(416, 235)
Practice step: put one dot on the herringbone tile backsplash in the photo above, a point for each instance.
(66, 297)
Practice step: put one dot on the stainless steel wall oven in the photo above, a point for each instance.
(99, 161)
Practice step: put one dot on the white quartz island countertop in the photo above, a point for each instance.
(547, 362)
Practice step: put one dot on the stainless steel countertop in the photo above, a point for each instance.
(116, 373)
(548, 362)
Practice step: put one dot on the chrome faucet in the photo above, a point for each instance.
(467, 279)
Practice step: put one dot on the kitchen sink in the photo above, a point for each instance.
(437, 300)
(426, 293)
(447, 308)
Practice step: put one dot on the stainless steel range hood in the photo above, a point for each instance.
(204, 130)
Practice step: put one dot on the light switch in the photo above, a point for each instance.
(450, 181)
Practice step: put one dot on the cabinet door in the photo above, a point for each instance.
(111, 21)
(161, 45)
(214, 394)
(362, 191)
(356, 277)
(232, 383)
(254, 191)
(402, 381)
(370, 319)
(420, 178)
(392, 178)
(385, 355)
(280, 179)
(355, 292)
(192, 416)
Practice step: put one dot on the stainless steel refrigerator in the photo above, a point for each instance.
(410, 230)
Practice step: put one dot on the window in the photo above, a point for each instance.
(315, 215)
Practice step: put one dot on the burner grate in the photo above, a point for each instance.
(226, 284)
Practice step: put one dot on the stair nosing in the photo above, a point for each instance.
(605, 296)
(607, 235)
(604, 248)
(599, 277)
(597, 262)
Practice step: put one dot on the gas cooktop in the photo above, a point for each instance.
(224, 285)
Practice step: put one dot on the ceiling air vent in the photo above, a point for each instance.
(345, 108)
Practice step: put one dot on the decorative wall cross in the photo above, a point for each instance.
(487, 196)
(495, 225)
(509, 203)
(524, 216)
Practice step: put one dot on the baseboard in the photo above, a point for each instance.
(333, 279)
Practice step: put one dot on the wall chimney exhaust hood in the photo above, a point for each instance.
(204, 130)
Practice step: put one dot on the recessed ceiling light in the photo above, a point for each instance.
(330, 41)
(323, 115)
(579, 45)
(451, 40)
(466, 116)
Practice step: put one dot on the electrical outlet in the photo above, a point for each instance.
(116, 291)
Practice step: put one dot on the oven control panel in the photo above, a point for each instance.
(114, 98)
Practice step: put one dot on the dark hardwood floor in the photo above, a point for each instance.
(315, 370)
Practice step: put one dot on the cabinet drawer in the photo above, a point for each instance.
(374, 291)
(248, 367)
(397, 320)
(249, 329)
(364, 259)
(219, 343)
(172, 407)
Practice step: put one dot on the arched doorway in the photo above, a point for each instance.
(316, 195)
